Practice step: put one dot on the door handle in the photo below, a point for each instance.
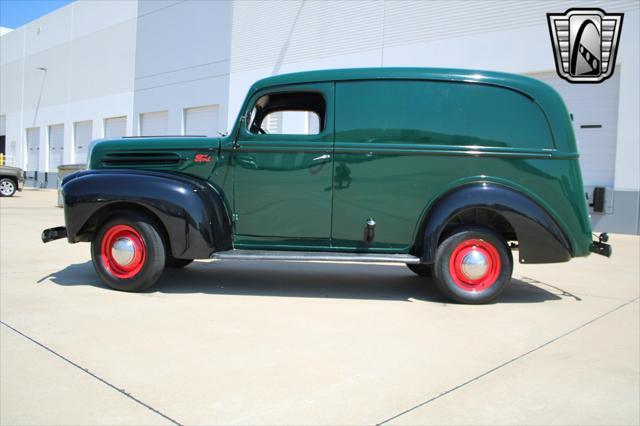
(322, 157)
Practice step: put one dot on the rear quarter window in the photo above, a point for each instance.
(438, 113)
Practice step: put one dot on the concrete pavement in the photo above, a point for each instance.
(290, 343)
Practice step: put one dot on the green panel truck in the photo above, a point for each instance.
(448, 171)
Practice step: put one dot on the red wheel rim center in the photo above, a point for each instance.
(131, 268)
(474, 247)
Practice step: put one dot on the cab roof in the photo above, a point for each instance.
(526, 85)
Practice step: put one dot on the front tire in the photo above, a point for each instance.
(7, 187)
(128, 253)
(473, 265)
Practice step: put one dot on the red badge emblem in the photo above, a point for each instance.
(202, 158)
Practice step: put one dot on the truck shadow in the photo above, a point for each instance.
(291, 279)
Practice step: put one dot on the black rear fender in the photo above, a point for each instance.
(540, 239)
(191, 211)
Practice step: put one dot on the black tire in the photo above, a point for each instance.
(172, 262)
(453, 282)
(421, 269)
(148, 268)
(8, 187)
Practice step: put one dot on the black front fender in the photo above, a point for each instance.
(191, 210)
(539, 237)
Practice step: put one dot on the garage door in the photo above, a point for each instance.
(115, 127)
(201, 120)
(56, 146)
(595, 120)
(154, 123)
(82, 133)
(33, 149)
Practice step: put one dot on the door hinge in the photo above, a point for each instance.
(234, 217)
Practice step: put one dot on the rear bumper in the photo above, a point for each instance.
(52, 234)
(601, 247)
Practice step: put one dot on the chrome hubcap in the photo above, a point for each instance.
(474, 265)
(123, 251)
(6, 188)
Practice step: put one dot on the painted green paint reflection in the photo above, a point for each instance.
(438, 113)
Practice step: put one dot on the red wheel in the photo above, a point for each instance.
(128, 252)
(473, 265)
(122, 251)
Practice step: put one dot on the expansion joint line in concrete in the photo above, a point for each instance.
(504, 364)
(86, 370)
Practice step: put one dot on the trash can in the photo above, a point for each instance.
(64, 170)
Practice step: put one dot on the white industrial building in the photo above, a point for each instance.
(97, 69)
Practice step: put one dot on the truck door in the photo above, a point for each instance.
(283, 168)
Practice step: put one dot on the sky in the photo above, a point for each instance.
(15, 13)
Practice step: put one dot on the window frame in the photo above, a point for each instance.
(324, 89)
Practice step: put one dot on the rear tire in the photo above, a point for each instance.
(473, 265)
(128, 253)
(421, 269)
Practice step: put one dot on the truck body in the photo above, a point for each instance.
(444, 170)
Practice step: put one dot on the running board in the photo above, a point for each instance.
(323, 256)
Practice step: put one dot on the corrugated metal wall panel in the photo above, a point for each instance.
(271, 33)
(268, 34)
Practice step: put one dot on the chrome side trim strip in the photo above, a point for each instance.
(315, 256)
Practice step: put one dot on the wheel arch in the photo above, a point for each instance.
(480, 216)
(515, 216)
(191, 212)
(14, 179)
(108, 211)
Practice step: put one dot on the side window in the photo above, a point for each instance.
(438, 113)
(288, 113)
